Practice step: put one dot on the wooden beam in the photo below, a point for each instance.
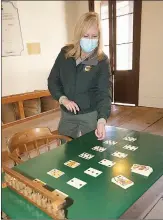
(29, 118)
(25, 96)
(21, 109)
(91, 5)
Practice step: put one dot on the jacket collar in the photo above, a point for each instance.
(92, 60)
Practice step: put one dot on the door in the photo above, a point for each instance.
(120, 22)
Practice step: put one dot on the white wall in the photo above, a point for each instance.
(51, 23)
(44, 22)
(82, 7)
(74, 9)
(151, 55)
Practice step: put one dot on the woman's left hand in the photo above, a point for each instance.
(100, 131)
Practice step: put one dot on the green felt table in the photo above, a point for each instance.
(99, 198)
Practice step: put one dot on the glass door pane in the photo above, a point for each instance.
(105, 31)
(124, 26)
(102, 8)
(124, 35)
(106, 51)
(124, 56)
(124, 7)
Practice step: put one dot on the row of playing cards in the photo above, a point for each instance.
(136, 168)
(120, 180)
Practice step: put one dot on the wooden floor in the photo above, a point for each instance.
(136, 118)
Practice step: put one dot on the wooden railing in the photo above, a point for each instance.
(51, 201)
(20, 98)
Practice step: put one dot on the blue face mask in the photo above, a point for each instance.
(88, 45)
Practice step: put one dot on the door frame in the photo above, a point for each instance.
(136, 45)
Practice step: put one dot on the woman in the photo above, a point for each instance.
(79, 80)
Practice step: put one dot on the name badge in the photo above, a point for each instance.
(87, 68)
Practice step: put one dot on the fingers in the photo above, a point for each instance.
(76, 106)
(102, 136)
(96, 133)
(100, 132)
(72, 106)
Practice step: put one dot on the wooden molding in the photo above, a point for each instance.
(25, 96)
(19, 98)
(29, 118)
(21, 109)
(57, 199)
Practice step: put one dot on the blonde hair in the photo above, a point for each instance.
(84, 23)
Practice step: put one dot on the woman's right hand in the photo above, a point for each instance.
(70, 105)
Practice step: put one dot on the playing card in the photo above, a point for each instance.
(107, 163)
(110, 142)
(39, 181)
(132, 139)
(99, 149)
(119, 154)
(93, 172)
(72, 164)
(55, 173)
(130, 147)
(77, 183)
(141, 169)
(86, 156)
(122, 181)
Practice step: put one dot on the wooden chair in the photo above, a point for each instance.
(22, 144)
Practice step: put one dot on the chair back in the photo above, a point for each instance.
(27, 144)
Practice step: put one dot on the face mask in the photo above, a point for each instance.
(88, 45)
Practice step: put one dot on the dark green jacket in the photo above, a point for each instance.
(90, 90)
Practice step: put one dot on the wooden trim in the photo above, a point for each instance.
(25, 96)
(111, 37)
(136, 46)
(114, 34)
(29, 118)
(35, 186)
(30, 183)
(91, 5)
(21, 109)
